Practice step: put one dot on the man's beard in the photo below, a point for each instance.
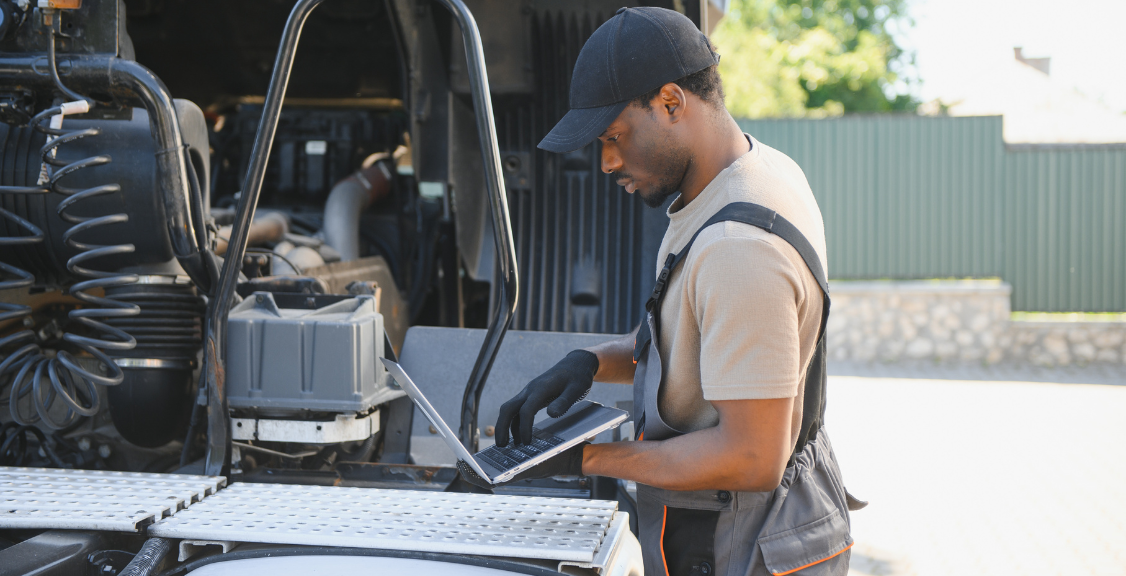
(656, 197)
(671, 164)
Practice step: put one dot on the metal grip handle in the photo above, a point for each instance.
(217, 461)
(502, 224)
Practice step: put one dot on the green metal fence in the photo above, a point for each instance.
(917, 197)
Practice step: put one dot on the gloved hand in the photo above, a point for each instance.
(557, 389)
(568, 463)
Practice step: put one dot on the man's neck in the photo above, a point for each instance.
(711, 156)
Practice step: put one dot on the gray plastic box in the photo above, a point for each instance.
(282, 360)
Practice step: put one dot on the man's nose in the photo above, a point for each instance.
(611, 162)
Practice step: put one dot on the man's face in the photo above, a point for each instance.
(644, 155)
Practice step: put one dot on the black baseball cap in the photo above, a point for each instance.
(634, 52)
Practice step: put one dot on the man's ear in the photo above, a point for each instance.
(672, 100)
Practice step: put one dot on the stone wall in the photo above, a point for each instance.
(966, 321)
(1063, 343)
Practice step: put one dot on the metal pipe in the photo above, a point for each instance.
(502, 224)
(346, 204)
(171, 159)
(217, 461)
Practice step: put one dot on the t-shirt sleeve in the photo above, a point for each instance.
(746, 295)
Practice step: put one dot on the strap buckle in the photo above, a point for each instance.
(662, 283)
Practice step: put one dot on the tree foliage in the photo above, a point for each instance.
(811, 57)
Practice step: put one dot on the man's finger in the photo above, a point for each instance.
(509, 411)
(515, 428)
(565, 400)
(527, 417)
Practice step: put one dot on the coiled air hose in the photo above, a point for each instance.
(63, 379)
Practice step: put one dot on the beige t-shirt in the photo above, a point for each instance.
(741, 315)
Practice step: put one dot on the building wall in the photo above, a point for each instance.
(912, 197)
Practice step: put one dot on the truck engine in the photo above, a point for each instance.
(216, 218)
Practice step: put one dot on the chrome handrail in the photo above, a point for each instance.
(217, 461)
(502, 223)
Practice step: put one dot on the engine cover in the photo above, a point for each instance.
(294, 353)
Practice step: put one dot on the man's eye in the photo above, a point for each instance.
(612, 139)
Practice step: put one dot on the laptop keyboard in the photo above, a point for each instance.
(514, 454)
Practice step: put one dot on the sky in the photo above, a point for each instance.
(1086, 40)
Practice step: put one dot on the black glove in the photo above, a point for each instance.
(557, 389)
(568, 463)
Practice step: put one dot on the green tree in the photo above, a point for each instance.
(811, 57)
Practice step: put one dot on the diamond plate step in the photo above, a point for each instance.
(485, 524)
(95, 499)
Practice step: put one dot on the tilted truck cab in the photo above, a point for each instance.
(216, 216)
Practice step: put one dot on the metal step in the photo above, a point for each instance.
(94, 499)
(481, 524)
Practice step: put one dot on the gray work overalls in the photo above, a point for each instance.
(800, 527)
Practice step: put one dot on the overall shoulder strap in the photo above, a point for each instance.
(769, 220)
(755, 215)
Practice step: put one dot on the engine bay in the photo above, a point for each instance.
(209, 238)
(117, 203)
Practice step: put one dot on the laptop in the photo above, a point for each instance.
(550, 437)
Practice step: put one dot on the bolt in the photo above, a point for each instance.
(433, 430)
(84, 444)
(104, 450)
(260, 299)
(490, 430)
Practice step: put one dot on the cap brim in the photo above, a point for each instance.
(580, 126)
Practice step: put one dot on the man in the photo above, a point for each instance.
(734, 475)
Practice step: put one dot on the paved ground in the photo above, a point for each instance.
(992, 475)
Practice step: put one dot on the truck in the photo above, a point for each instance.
(216, 217)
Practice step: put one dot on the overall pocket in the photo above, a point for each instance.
(815, 548)
(807, 533)
(678, 529)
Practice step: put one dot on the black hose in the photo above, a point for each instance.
(71, 94)
(210, 265)
(384, 250)
(151, 555)
(424, 272)
(483, 562)
(272, 254)
(13, 447)
(193, 428)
